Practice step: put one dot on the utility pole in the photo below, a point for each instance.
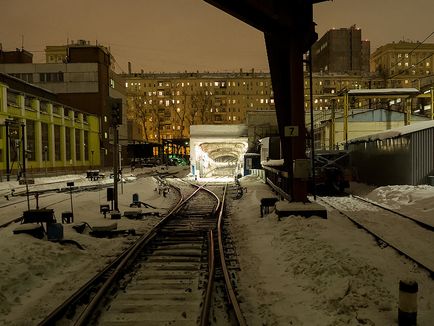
(7, 151)
(115, 167)
(23, 143)
(116, 120)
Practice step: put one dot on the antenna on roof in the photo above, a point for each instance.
(22, 41)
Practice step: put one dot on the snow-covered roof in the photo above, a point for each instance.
(384, 91)
(395, 132)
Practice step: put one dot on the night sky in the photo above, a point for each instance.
(179, 35)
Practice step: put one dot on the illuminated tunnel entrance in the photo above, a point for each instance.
(217, 151)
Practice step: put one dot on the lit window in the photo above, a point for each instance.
(427, 64)
(272, 101)
(230, 118)
(200, 84)
(234, 118)
(178, 110)
(406, 64)
(105, 135)
(105, 118)
(126, 84)
(262, 100)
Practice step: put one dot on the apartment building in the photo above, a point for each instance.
(404, 64)
(166, 104)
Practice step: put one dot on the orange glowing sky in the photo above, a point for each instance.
(179, 35)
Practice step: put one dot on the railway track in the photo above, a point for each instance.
(166, 277)
(406, 234)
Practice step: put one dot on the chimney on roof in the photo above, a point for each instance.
(129, 68)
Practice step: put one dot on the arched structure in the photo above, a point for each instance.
(217, 150)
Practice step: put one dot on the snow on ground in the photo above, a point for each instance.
(295, 271)
(37, 275)
(319, 271)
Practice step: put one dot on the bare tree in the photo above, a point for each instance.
(201, 104)
(147, 110)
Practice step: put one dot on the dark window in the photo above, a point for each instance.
(57, 143)
(77, 145)
(44, 136)
(30, 141)
(68, 143)
(86, 145)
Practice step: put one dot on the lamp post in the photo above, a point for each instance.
(7, 150)
(23, 144)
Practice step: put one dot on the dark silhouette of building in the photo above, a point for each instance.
(341, 51)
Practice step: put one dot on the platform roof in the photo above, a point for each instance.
(384, 92)
(395, 132)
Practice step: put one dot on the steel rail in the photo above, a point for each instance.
(379, 237)
(87, 287)
(420, 223)
(87, 313)
(231, 293)
(204, 318)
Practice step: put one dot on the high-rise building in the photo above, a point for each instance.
(341, 51)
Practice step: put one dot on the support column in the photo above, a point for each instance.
(51, 138)
(72, 137)
(38, 135)
(62, 137)
(346, 103)
(432, 102)
(285, 57)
